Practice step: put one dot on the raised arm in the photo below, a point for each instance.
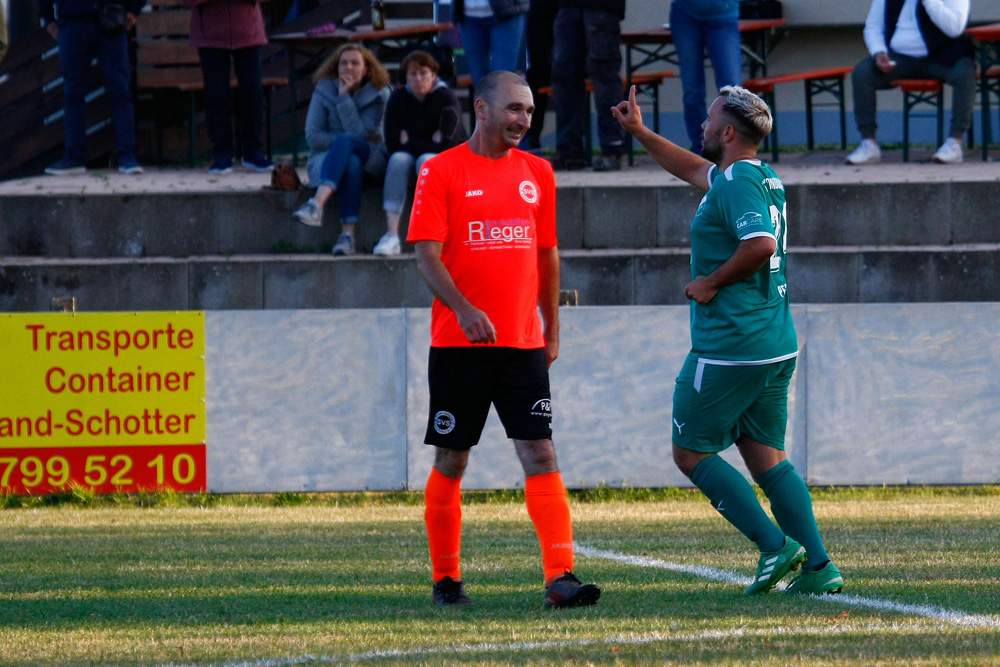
(682, 163)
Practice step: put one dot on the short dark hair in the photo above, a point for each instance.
(489, 84)
(420, 59)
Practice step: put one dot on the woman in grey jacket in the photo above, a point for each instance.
(343, 130)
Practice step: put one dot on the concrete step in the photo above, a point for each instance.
(841, 274)
(642, 210)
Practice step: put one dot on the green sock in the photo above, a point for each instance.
(731, 494)
(791, 505)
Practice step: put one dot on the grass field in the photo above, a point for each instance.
(298, 580)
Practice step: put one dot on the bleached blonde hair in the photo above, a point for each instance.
(751, 114)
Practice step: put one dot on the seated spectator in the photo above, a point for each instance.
(422, 119)
(492, 34)
(343, 130)
(698, 25)
(81, 34)
(915, 39)
(227, 31)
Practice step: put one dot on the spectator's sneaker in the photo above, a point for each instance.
(310, 214)
(867, 151)
(127, 164)
(950, 152)
(450, 593)
(257, 162)
(66, 166)
(221, 166)
(564, 163)
(387, 245)
(825, 580)
(567, 591)
(608, 163)
(774, 565)
(344, 245)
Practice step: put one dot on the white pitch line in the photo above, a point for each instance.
(611, 640)
(726, 576)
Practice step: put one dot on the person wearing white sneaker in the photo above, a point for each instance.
(344, 133)
(422, 119)
(950, 152)
(388, 245)
(867, 151)
(915, 39)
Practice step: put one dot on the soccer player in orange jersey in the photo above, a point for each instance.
(484, 225)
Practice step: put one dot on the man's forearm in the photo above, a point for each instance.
(439, 281)
(950, 16)
(749, 257)
(682, 163)
(548, 288)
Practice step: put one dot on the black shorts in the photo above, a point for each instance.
(464, 381)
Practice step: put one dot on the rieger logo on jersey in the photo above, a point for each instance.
(515, 233)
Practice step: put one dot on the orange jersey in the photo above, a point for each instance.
(491, 216)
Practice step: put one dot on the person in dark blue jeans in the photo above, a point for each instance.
(587, 45)
(697, 25)
(344, 133)
(74, 24)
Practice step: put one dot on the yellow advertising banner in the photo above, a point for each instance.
(108, 383)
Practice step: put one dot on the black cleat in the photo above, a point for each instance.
(567, 591)
(450, 593)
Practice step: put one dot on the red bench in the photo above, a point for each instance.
(817, 81)
(166, 61)
(920, 91)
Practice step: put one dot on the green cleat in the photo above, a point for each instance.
(774, 565)
(825, 580)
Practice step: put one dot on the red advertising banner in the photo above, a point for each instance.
(44, 470)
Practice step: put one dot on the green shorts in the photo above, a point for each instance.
(714, 405)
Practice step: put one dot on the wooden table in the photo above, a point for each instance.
(988, 49)
(314, 46)
(656, 45)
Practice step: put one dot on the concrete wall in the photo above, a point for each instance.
(320, 400)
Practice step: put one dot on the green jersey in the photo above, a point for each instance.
(748, 322)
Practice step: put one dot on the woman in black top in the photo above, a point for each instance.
(422, 119)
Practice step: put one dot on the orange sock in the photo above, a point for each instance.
(443, 517)
(548, 508)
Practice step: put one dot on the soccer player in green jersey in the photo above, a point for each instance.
(733, 386)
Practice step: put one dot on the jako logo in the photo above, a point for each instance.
(444, 422)
(528, 191)
(473, 193)
(542, 408)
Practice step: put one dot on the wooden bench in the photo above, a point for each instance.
(646, 83)
(988, 84)
(816, 81)
(165, 60)
(916, 92)
(931, 92)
